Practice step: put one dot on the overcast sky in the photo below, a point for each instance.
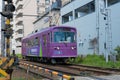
(0, 5)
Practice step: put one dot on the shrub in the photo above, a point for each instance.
(117, 49)
(96, 60)
(78, 59)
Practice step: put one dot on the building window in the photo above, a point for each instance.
(47, 9)
(67, 17)
(85, 9)
(20, 31)
(37, 1)
(47, 2)
(111, 2)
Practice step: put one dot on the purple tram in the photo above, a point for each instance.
(54, 44)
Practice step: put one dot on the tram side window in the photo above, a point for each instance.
(23, 43)
(44, 40)
(26, 44)
(29, 43)
(51, 37)
(36, 41)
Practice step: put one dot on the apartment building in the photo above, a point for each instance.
(25, 15)
(97, 24)
(49, 13)
(27, 12)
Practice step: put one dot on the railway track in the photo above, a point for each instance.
(109, 70)
(58, 68)
(94, 69)
(73, 69)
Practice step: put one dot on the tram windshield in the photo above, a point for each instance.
(64, 37)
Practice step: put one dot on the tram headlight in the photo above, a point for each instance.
(73, 48)
(57, 48)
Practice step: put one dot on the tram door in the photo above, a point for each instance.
(48, 44)
(45, 45)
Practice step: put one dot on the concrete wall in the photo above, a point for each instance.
(86, 26)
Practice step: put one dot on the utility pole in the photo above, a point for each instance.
(7, 61)
(106, 14)
(7, 12)
(97, 23)
(3, 53)
(108, 30)
(102, 8)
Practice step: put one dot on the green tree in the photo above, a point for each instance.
(117, 49)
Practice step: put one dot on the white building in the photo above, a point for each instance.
(94, 33)
(26, 14)
(49, 14)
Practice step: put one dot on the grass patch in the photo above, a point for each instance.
(96, 60)
(19, 56)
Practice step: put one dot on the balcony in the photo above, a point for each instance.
(17, 1)
(19, 23)
(56, 5)
(18, 43)
(41, 4)
(18, 20)
(17, 36)
(19, 5)
(19, 13)
(18, 27)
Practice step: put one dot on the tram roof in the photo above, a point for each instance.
(45, 29)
